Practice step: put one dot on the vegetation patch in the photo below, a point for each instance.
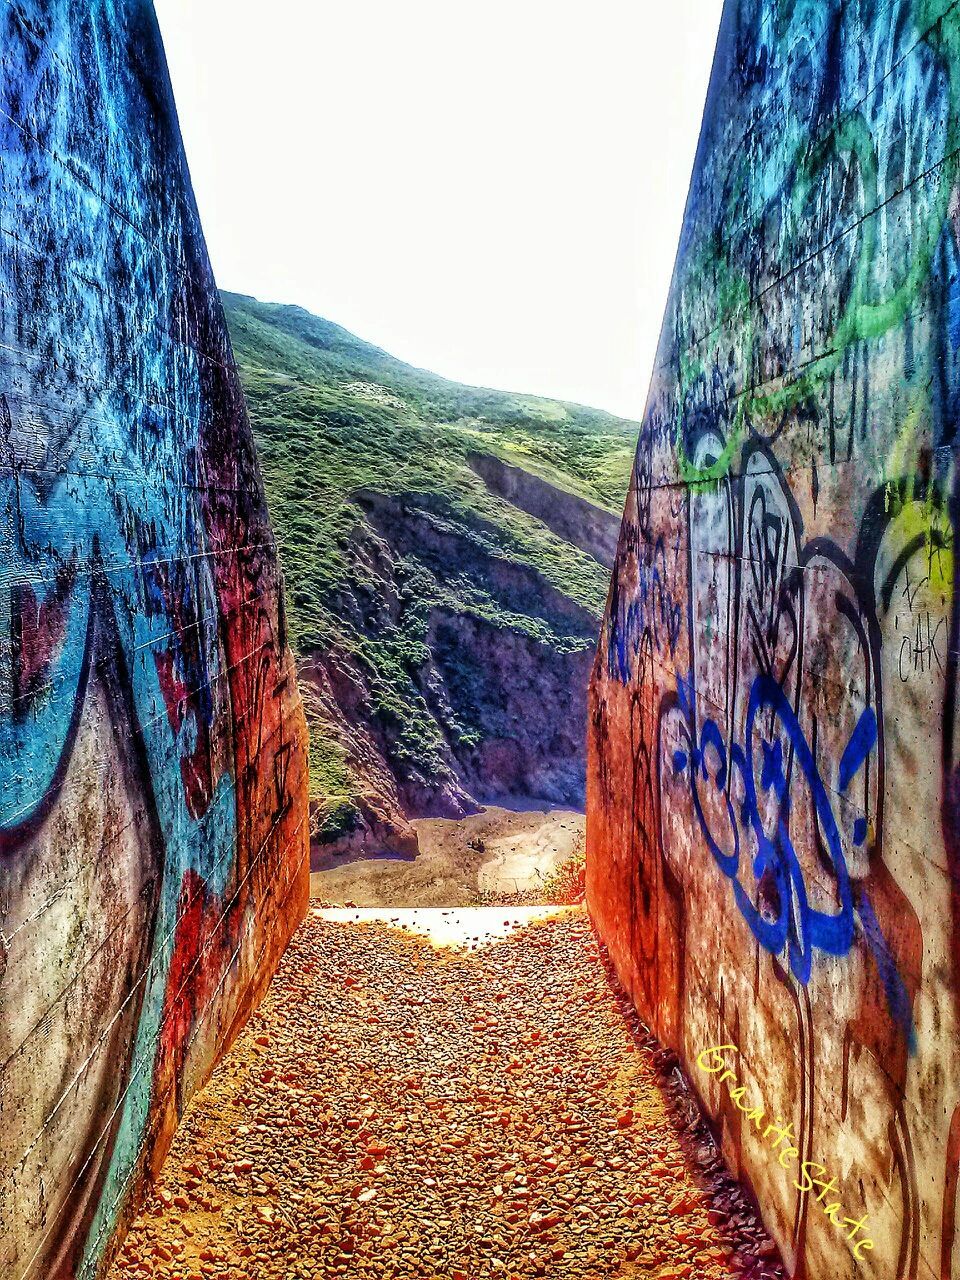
(383, 525)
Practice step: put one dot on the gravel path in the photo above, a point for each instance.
(394, 1110)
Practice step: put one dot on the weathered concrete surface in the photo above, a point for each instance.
(772, 835)
(153, 851)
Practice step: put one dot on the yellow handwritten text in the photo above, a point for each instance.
(714, 1063)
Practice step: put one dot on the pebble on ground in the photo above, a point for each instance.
(394, 1111)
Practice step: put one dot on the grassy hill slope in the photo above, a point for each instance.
(445, 550)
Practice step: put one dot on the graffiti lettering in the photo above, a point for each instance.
(152, 800)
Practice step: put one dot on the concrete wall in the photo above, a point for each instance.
(153, 851)
(774, 787)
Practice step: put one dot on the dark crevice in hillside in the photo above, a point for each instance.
(527, 698)
(577, 520)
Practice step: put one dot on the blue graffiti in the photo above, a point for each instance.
(650, 609)
(786, 918)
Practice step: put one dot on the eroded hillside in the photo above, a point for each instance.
(446, 551)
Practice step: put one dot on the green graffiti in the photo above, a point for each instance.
(863, 318)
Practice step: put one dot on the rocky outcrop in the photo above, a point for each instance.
(576, 519)
(371, 816)
(526, 698)
(422, 526)
(435, 711)
(445, 548)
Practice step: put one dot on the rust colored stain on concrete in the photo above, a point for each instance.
(153, 838)
(773, 826)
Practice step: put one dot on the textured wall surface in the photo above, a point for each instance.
(152, 749)
(774, 790)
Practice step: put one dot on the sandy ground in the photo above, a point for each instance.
(400, 1110)
(495, 854)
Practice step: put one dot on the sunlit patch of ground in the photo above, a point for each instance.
(468, 927)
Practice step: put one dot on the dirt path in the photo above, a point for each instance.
(398, 1110)
(489, 856)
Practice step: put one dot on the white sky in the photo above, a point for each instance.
(489, 190)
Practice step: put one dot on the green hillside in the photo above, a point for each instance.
(438, 541)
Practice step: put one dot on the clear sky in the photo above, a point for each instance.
(489, 190)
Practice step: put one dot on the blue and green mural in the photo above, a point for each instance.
(153, 836)
(774, 784)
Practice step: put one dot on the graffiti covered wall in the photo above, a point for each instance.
(153, 836)
(774, 784)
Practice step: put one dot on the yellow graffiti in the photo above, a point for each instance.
(716, 1064)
